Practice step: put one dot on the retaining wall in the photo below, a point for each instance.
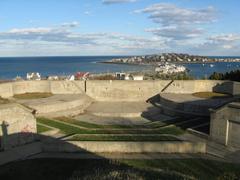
(124, 147)
(118, 90)
(225, 125)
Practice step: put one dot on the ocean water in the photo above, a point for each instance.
(12, 67)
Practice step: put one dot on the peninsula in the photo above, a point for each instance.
(169, 57)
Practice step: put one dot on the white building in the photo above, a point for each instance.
(34, 76)
(169, 68)
(70, 78)
(137, 77)
(53, 78)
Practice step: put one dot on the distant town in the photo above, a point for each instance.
(170, 57)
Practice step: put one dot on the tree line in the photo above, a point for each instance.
(232, 76)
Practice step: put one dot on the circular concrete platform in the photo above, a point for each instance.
(187, 104)
(118, 109)
(58, 105)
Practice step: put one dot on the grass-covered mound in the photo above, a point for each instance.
(36, 95)
(150, 138)
(71, 128)
(104, 169)
(4, 101)
(211, 95)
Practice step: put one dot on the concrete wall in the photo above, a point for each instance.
(225, 125)
(118, 90)
(124, 147)
(124, 90)
(67, 87)
(6, 90)
(30, 87)
(192, 86)
(236, 88)
(17, 126)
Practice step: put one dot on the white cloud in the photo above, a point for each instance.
(62, 40)
(71, 24)
(177, 32)
(168, 14)
(225, 38)
(223, 44)
(117, 1)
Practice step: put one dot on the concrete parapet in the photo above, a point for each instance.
(124, 90)
(18, 126)
(23, 87)
(225, 125)
(124, 147)
(6, 90)
(20, 152)
(58, 103)
(119, 90)
(67, 87)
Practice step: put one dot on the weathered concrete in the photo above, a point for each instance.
(118, 109)
(225, 125)
(118, 90)
(56, 104)
(124, 90)
(124, 147)
(20, 152)
(23, 87)
(180, 104)
(111, 120)
(18, 126)
(67, 87)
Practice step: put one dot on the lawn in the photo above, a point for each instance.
(41, 128)
(211, 95)
(68, 129)
(98, 126)
(104, 169)
(122, 138)
(33, 95)
(4, 101)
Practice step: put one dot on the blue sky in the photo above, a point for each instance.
(119, 27)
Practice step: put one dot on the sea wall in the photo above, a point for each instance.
(118, 90)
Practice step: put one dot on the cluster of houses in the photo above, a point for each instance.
(127, 76)
(170, 68)
(36, 76)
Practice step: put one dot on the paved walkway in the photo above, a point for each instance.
(118, 109)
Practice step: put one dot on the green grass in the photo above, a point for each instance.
(98, 126)
(91, 125)
(103, 169)
(4, 101)
(211, 95)
(197, 168)
(33, 95)
(41, 128)
(122, 138)
(68, 129)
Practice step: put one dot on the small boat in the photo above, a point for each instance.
(212, 65)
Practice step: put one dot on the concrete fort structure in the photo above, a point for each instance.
(18, 126)
(73, 97)
(70, 98)
(119, 90)
(225, 125)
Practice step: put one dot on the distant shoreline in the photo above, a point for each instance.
(185, 62)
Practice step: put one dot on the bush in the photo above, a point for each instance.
(232, 76)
